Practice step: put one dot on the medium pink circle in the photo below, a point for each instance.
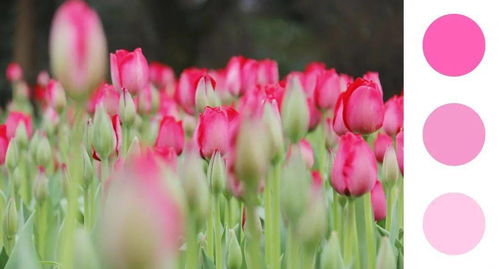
(454, 223)
(454, 45)
(454, 134)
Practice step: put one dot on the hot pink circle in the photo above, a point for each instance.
(454, 45)
(454, 134)
(454, 223)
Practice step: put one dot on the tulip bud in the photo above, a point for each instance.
(12, 155)
(18, 176)
(252, 152)
(21, 135)
(272, 120)
(195, 185)
(43, 153)
(390, 169)
(56, 96)
(155, 99)
(295, 179)
(50, 120)
(331, 254)
(386, 258)
(307, 153)
(295, 115)
(10, 221)
(88, 135)
(378, 201)
(77, 48)
(205, 94)
(128, 111)
(88, 168)
(40, 186)
(217, 173)
(103, 133)
(330, 135)
(234, 254)
(129, 69)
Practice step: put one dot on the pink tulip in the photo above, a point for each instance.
(374, 77)
(344, 81)
(4, 143)
(378, 201)
(215, 129)
(233, 80)
(143, 100)
(170, 135)
(338, 122)
(328, 89)
(108, 96)
(394, 115)
(314, 113)
(316, 181)
(43, 78)
(14, 119)
(77, 48)
(162, 76)
(363, 107)
(400, 150)
(354, 169)
(268, 72)
(129, 70)
(14, 72)
(307, 153)
(381, 144)
(115, 120)
(167, 105)
(330, 135)
(186, 88)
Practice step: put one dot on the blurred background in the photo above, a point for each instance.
(353, 36)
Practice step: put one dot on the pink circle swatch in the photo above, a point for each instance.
(454, 45)
(454, 134)
(454, 223)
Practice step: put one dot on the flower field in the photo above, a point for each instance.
(239, 167)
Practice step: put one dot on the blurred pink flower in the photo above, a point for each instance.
(214, 130)
(400, 150)
(170, 135)
(129, 70)
(394, 115)
(14, 119)
(4, 143)
(162, 76)
(382, 142)
(108, 96)
(354, 169)
(77, 48)
(186, 88)
(307, 153)
(378, 201)
(14, 72)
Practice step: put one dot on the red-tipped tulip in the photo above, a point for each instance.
(363, 107)
(338, 122)
(108, 96)
(328, 89)
(170, 135)
(162, 76)
(4, 143)
(14, 119)
(381, 143)
(400, 150)
(354, 169)
(394, 115)
(185, 93)
(77, 48)
(307, 153)
(214, 130)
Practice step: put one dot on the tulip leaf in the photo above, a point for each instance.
(3, 258)
(207, 262)
(24, 254)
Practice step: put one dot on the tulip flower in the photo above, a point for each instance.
(400, 150)
(354, 169)
(338, 122)
(390, 169)
(14, 72)
(14, 119)
(205, 94)
(170, 135)
(295, 111)
(127, 109)
(307, 153)
(55, 95)
(330, 134)
(233, 79)
(394, 115)
(268, 72)
(129, 70)
(77, 48)
(213, 132)
(106, 95)
(328, 89)
(162, 76)
(378, 201)
(185, 93)
(382, 142)
(4, 143)
(363, 107)
(374, 77)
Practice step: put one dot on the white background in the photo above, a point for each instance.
(425, 90)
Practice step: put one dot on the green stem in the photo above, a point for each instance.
(217, 235)
(269, 225)
(293, 251)
(275, 217)
(309, 260)
(41, 226)
(192, 244)
(350, 241)
(253, 235)
(370, 237)
(209, 231)
(89, 209)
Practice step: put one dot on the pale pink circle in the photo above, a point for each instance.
(454, 134)
(454, 45)
(454, 223)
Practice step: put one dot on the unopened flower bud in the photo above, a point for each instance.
(252, 152)
(154, 100)
(40, 186)
(128, 111)
(57, 96)
(195, 185)
(331, 254)
(21, 135)
(18, 176)
(10, 221)
(390, 170)
(330, 135)
(295, 115)
(12, 155)
(88, 168)
(88, 135)
(234, 254)
(386, 258)
(205, 94)
(103, 133)
(43, 153)
(272, 120)
(217, 173)
(295, 179)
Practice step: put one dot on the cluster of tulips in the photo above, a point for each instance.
(229, 168)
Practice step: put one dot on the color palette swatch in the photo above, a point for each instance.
(449, 221)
